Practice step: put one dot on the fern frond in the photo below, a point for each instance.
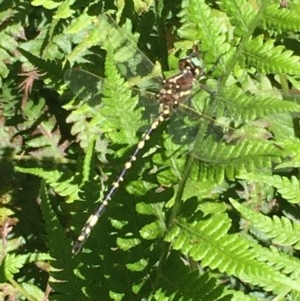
(281, 261)
(280, 19)
(83, 113)
(119, 107)
(209, 242)
(220, 159)
(79, 27)
(59, 248)
(269, 58)
(56, 179)
(199, 25)
(11, 266)
(289, 188)
(13, 263)
(58, 244)
(281, 230)
(183, 283)
(241, 15)
(241, 106)
(46, 141)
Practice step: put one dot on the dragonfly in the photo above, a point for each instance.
(174, 92)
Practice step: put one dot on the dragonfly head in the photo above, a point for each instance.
(192, 62)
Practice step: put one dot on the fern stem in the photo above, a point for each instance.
(160, 23)
(21, 289)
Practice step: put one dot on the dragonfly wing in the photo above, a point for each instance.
(230, 115)
(85, 85)
(249, 123)
(88, 86)
(238, 106)
(128, 58)
(105, 33)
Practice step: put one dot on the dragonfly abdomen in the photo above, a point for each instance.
(93, 219)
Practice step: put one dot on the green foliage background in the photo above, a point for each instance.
(201, 215)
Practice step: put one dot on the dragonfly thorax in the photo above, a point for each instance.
(177, 88)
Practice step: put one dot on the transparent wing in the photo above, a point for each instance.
(238, 114)
(130, 61)
(132, 64)
(104, 33)
(86, 86)
(253, 129)
(233, 115)
(123, 114)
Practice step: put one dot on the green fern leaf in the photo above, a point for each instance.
(84, 114)
(209, 242)
(11, 266)
(281, 19)
(119, 107)
(13, 263)
(288, 188)
(282, 231)
(57, 242)
(187, 284)
(59, 248)
(241, 13)
(270, 59)
(199, 24)
(279, 260)
(55, 178)
(242, 106)
(220, 159)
